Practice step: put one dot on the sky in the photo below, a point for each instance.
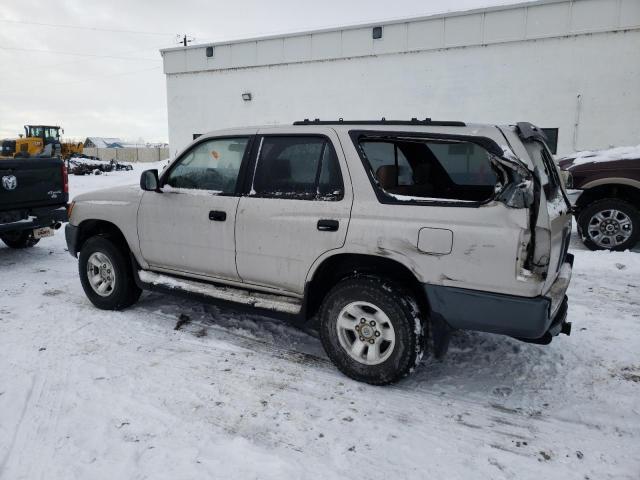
(94, 67)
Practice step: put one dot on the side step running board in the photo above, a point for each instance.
(266, 301)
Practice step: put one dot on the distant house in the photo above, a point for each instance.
(103, 142)
(106, 142)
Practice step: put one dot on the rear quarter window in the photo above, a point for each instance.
(428, 169)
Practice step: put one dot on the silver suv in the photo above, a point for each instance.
(384, 236)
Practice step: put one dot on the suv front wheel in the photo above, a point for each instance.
(106, 274)
(371, 329)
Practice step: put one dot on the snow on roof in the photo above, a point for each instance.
(103, 142)
(608, 155)
(112, 142)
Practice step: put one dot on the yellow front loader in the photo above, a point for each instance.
(41, 140)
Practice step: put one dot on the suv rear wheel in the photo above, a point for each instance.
(23, 239)
(371, 329)
(610, 224)
(106, 274)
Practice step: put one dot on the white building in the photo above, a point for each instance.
(561, 64)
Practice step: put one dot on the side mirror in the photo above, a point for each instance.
(149, 181)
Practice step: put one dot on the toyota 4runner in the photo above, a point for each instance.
(384, 236)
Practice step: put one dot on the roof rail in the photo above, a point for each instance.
(383, 121)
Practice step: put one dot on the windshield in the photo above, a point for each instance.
(44, 132)
(51, 132)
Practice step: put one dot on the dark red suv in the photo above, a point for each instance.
(604, 188)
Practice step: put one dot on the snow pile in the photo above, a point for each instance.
(83, 165)
(611, 154)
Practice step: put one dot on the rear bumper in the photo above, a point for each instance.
(37, 218)
(535, 319)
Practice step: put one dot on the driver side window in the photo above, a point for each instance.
(212, 165)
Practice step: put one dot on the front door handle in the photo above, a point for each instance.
(328, 225)
(217, 216)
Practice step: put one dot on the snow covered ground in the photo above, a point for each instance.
(86, 394)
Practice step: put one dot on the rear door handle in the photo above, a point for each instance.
(328, 225)
(217, 216)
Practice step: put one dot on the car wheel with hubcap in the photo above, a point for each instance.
(371, 329)
(610, 224)
(365, 333)
(101, 274)
(106, 274)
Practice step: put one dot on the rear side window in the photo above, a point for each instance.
(381, 153)
(430, 169)
(465, 163)
(298, 167)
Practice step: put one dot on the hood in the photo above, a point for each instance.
(611, 159)
(585, 164)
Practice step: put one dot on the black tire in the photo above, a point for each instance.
(587, 214)
(23, 239)
(398, 304)
(125, 291)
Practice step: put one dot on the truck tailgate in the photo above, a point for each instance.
(31, 182)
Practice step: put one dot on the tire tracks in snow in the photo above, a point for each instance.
(519, 432)
(18, 427)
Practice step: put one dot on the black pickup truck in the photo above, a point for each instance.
(33, 199)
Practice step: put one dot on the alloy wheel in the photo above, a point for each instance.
(610, 228)
(366, 333)
(101, 274)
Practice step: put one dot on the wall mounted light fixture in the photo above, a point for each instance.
(247, 97)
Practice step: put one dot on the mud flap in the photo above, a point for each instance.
(440, 335)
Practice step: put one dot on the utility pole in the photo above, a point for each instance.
(185, 39)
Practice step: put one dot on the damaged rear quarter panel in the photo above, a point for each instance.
(485, 246)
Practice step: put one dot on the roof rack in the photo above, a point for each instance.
(383, 121)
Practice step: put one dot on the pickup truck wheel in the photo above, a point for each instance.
(371, 329)
(609, 224)
(23, 239)
(106, 274)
